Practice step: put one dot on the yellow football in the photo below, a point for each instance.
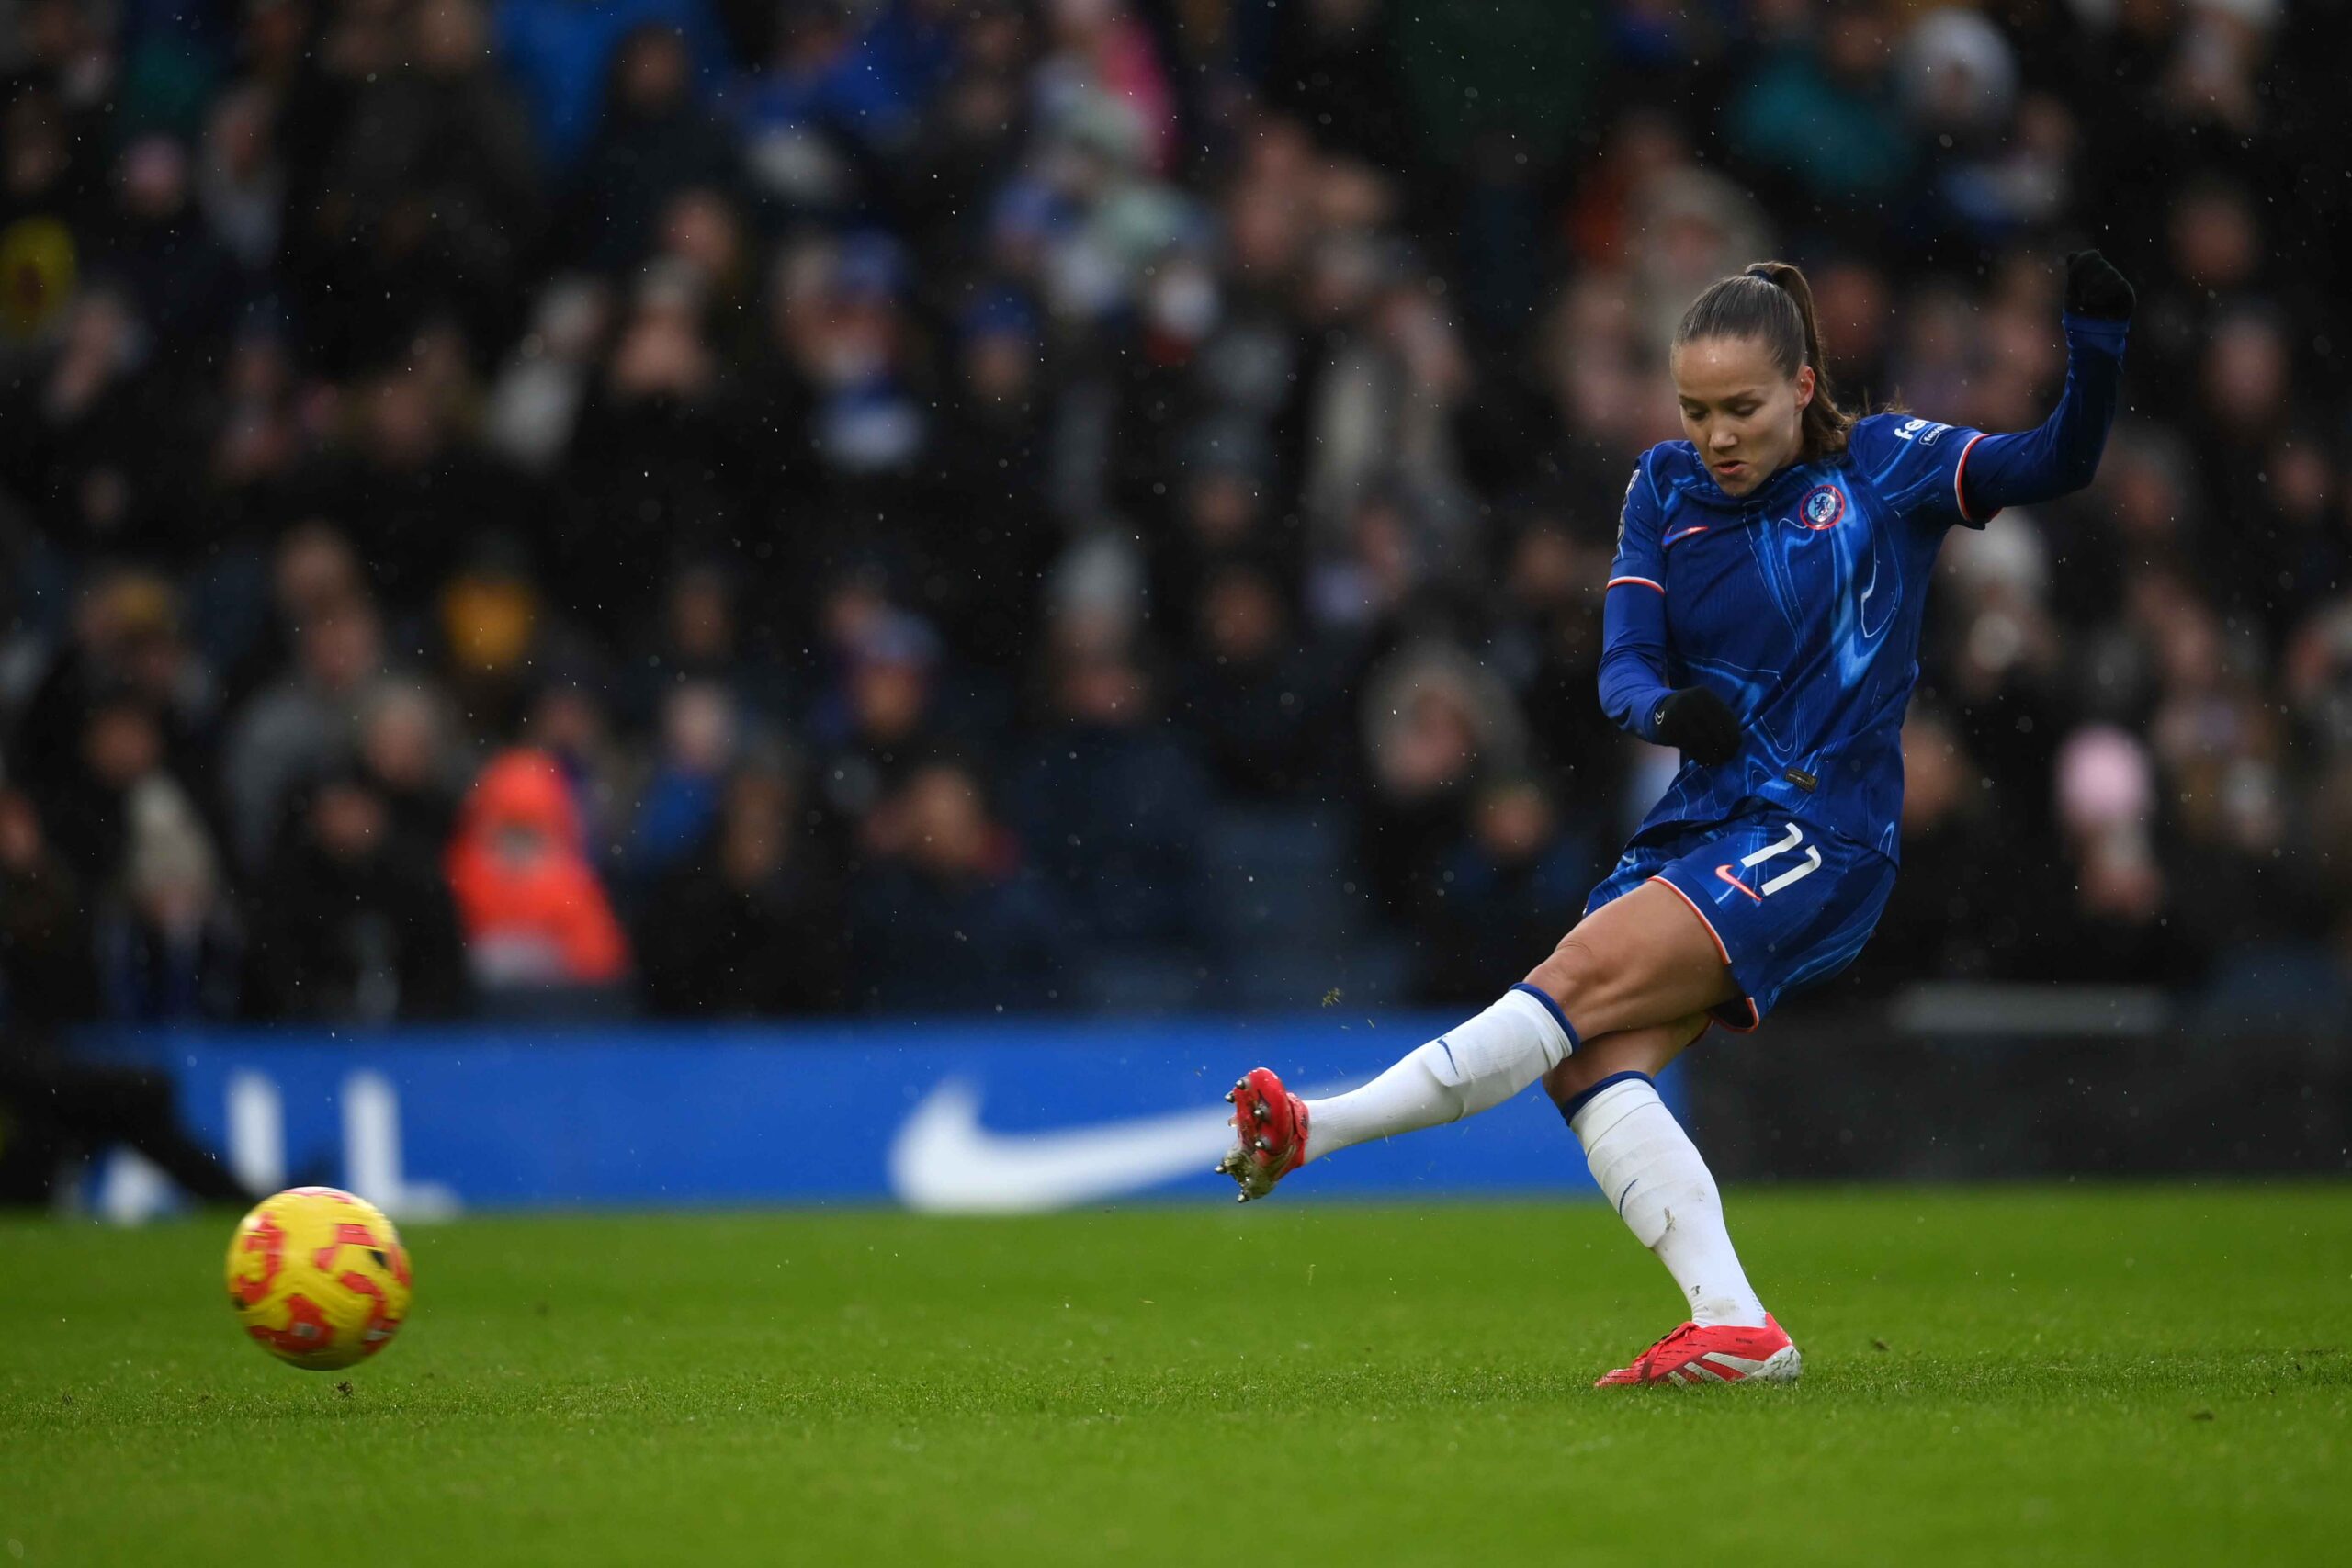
(318, 1278)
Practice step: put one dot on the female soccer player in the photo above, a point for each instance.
(1763, 617)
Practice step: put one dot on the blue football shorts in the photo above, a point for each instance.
(1789, 904)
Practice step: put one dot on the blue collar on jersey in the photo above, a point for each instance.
(1691, 479)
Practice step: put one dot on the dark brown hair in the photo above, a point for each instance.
(1772, 303)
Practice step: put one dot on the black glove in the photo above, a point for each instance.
(1696, 721)
(2095, 288)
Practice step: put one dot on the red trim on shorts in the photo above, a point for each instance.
(1643, 580)
(1754, 1017)
(1718, 941)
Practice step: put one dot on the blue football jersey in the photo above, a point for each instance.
(1800, 606)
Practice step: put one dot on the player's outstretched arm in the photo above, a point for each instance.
(2061, 454)
(1637, 690)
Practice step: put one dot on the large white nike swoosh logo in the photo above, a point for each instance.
(943, 1161)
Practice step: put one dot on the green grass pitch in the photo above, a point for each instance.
(2033, 1375)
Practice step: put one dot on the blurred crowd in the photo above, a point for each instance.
(727, 507)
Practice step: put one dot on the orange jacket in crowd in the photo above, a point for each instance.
(532, 910)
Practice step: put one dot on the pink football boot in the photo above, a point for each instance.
(1270, 1133)
(1695, 1354)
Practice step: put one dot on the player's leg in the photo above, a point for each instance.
(1786, 906)
(1650, 1172)
(1649, 1168)
(1638, 961)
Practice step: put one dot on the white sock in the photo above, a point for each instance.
(1461, 1072)
(1648, 1166)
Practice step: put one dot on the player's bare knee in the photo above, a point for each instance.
(1634, 1050)
(1572, 977)
(1571, 1078)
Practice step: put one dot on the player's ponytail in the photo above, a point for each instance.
(1773, 304)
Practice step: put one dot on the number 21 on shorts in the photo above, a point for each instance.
(1797, 873)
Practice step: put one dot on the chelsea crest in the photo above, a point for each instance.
(1824, 507)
